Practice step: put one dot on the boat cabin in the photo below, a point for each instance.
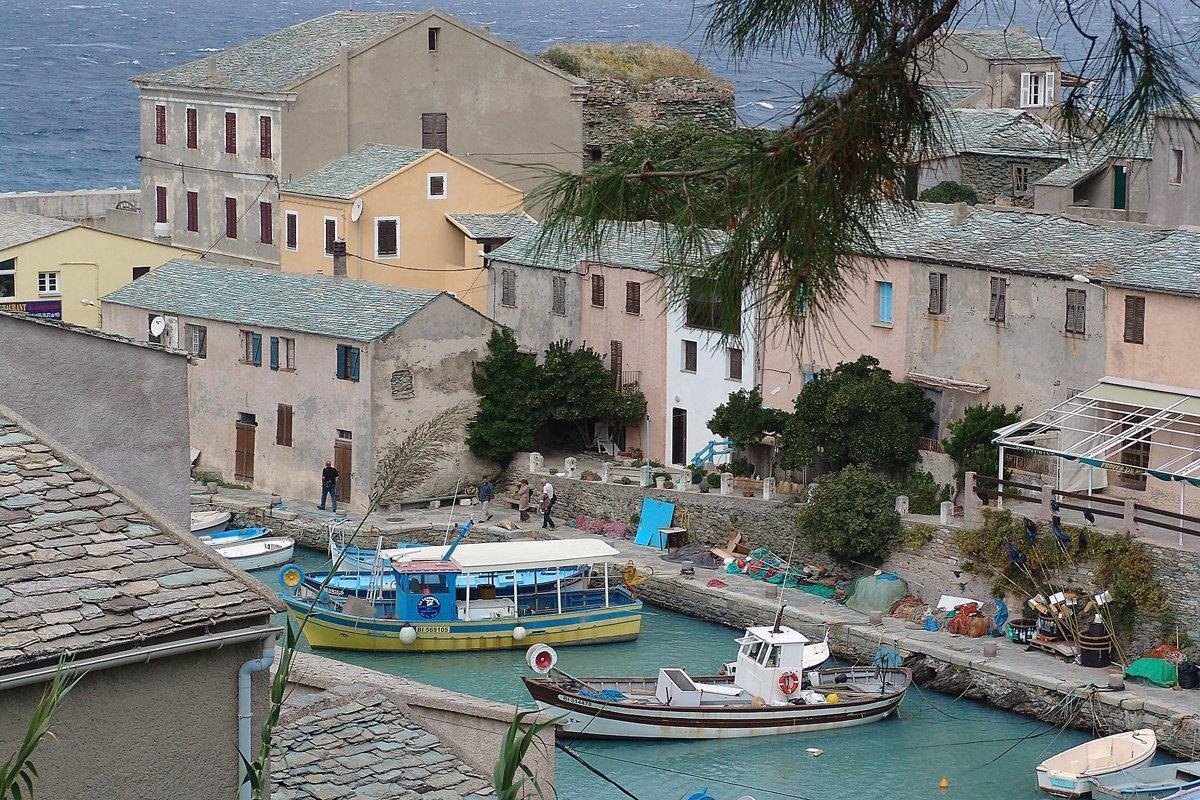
(765, 655)
(426, 591)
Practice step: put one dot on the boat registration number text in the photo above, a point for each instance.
(433, 629)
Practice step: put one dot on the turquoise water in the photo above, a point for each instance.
(900, 758)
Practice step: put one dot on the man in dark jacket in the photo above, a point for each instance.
(329, 477)
(487, 492)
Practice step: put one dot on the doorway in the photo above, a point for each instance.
(342, 461)
(679, 436)
(1120, 187)
(243, 448)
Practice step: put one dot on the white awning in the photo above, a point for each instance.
(508, 556)
(938, 382)
(1100, 425)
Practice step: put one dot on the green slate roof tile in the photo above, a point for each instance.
(1006, 45)
(279, 59)
(494, 226)
(363, 166)
(634, 245)
(1085, 158)
(317, 304)
(998, 131)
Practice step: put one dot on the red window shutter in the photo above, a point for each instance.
(160, 204)
(633, 297)
(193, 212)
(264, 137)
(291, 231)
(230, 132)
(160, 124)
(265, 220)
(231, 217)
(191, 128)
(330, 235)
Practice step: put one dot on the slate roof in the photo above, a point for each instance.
(353, 741)
(1034, 243)
(362, 167)
(318, 304)
(84, 571)
(280, 59)
(634, 245)
(1087, 157)
(494, 226)
(999, 132)
(949, 95)
(1006, 45)
(1188, 108)
(17, 228)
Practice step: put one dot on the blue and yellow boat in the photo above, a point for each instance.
(426, 612)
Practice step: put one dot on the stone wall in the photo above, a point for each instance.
(612, 108)
(991, 176)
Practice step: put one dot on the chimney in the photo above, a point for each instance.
(339, 259)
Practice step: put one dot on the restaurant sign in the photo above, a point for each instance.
(49, 309)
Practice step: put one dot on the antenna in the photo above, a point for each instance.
(356, 209)
(157, 326)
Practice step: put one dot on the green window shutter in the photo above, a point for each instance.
(353, 363)
(275, 352)
(341, 362)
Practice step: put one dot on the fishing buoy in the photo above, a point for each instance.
(813, 751)
(519, 633)
(290, 576)
(408, 634)
(943, 784)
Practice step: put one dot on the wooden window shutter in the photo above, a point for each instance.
(283, 425)
(616, 358)
(330, 235)
(291, 231)
(264, 137)
(341, 361)
(230, 132)
(1025, 89)
(633, 297)
(160, 124)
(598, 291)
(231, 217)
(1135, 319)
(508, 288)
(266, 219)
(193, 212)
(433, 131)
(935, 293)
(160, 204)
(385, 235)
(559, 301)
(735, 363)
(689, 355)
(191, 128)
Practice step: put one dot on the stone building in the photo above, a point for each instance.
(1109, 179)
(997, 69)
(331, 369)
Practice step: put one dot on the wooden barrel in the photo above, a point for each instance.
(1047, 627)
(1095, 646)
(1022, 630)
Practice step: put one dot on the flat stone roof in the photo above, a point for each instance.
(17, 228)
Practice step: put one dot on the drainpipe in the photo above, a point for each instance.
(245, 715)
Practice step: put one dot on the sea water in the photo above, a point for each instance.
(984, 753)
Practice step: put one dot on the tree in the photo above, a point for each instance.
(743, 419)
(856, 414)
(950, 192)
(851, 515)
(508, 413)
(802, 202)
(577, 388)
(970, 441)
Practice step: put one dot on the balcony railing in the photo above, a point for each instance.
(627, 380)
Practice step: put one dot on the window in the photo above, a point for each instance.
(264, 136)
(808, 377)
(705, 310)
(160, 124)
(330, 234)
(402, 385)
(437, 185)
(191, 128)
(150, 335)
(288, 347)
(434, 35)
(347, 362)
(558, 303)
(387, 237)
(998, 300)
(508, 288)
(195, 339)
(283, 425)
(8, 277)
(266, 223)
(1037, 89)
(883, 302)
(689, 355)
(231, 217)
(231, 132)
(291, 222)
(344, 434)
(616, 359)
(734, 364)
(252, 348)
(633, 297)
(47, 283)
(1176, 166)
(433, 132)
(193, 212)
(137, 273)
(1135, 319)
(1076, 311)
(160, 204)
(1020, 180)
(594, 155)
(937, 293)
(598, 291)
(275, 353)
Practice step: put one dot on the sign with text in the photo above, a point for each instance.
(49, 309)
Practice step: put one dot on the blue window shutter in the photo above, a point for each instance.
(885, 302)
(274, 352)
(256, 349)
(353, 363)
(341, 362)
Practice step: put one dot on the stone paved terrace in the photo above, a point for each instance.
(354, 741)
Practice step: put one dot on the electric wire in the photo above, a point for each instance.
(185, 167)
(560, 746)
(415, 269)
(237, 221)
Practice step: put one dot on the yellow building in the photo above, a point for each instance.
(412, 218)
(57, 269)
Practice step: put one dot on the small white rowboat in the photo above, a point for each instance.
(1071, 772)
(205, 523)
(259, 553)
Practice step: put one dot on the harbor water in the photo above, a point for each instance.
(984, 753)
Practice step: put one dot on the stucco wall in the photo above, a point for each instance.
(1171, 204)
(1000, 79)
(167, 728)
(531, 319)
(104, 399)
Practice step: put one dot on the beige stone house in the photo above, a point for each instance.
(289, 371)
(997, 69)
(408, 217)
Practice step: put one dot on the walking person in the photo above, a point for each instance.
(547, 505)
(524, 491)
(329, 477)
(485, 493)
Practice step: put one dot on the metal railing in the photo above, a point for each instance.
(629, 379)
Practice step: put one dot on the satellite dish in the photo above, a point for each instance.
(157, 326)
(541, 658)
(356, 209)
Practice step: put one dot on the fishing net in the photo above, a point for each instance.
(763, 565)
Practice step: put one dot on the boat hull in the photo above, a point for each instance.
(1062, 785)
(1149, 783)
(268, 553)
(206, 523)
(582, 717)
(1075, 772)
(328, 629)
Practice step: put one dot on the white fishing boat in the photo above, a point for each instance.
(208, 522)
(270, 551)
(1150, 783)
(771, 689)
(1073, 773)
(234, 536)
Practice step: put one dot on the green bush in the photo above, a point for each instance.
(714, 480)
(740, 467)
(970, 441)
(924, 494)
(949, 192)
(852, 516)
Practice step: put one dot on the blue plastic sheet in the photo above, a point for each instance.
(655, 515)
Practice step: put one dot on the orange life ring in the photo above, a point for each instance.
(789, 682)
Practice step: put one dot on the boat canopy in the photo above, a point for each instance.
(768, 634)
(510, 556)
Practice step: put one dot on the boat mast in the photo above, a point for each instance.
(787, 571)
